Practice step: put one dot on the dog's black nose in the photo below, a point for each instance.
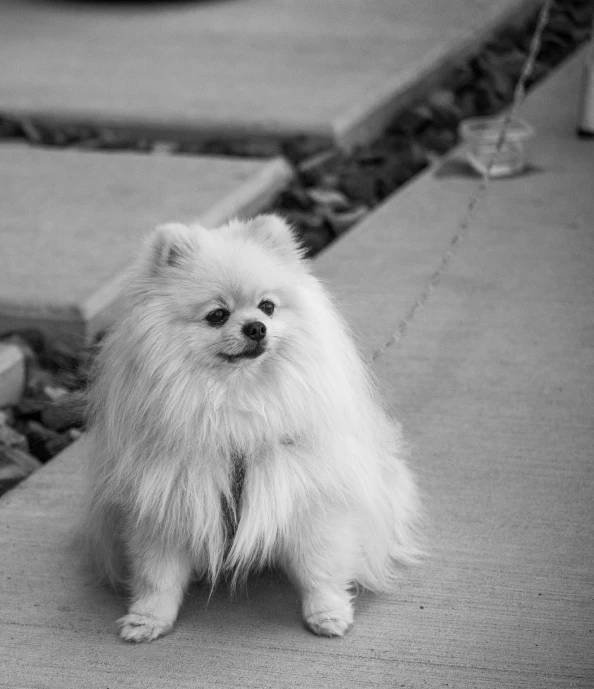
(255, 330)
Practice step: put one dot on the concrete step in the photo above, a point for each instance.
(492, 379)
(333, 70)
(71, 222)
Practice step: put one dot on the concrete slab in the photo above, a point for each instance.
(72, 221)
(333, 70)
(493, 382)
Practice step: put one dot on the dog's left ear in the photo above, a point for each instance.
(275, 234)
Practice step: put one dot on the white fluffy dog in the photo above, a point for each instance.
(233, 425)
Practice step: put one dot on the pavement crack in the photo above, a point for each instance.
(518, 98)
(432, 283)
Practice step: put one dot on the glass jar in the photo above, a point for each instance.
(484, 151)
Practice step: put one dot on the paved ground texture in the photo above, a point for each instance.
(262, 66)
(72, 221)
(493, 381)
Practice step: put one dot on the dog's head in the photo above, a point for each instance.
(233, 295)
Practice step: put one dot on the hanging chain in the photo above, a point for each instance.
(520, 90)
(518, 98)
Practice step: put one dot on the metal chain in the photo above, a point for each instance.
(518, 98)
(520, 89)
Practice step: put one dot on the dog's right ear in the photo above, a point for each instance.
(170, 246)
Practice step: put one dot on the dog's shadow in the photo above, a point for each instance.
(264, 601)
(267, 601)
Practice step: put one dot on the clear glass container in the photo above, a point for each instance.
(481, 135)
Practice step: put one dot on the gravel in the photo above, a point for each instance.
(50, 415)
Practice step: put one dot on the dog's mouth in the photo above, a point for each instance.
(246, 354)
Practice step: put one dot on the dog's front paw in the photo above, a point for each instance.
(328, 622)
(134, 627)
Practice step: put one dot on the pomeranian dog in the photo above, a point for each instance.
(233, 425)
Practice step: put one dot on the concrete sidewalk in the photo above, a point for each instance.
(331, 70)
(493, 382)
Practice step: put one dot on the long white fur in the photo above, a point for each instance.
(327, 495)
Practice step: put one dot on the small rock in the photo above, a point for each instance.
(32, 131)
(344, 220)
(13, 374)
(74, 434)
(9, 437)
(15, 465)
(443, 99)
(34, 338)
(23, 344)
(6, 417)
(312, 169)
(38, 379)
(22, 459)
(10, 475)
(64, 413)
(444, 108)
(54, 392)
(329, 198)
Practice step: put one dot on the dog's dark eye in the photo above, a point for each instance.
(218, 316)
(266, 307)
